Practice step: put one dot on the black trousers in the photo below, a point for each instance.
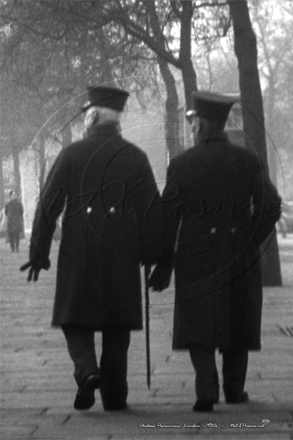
(13, 238)
(113, 362)
(207, 381)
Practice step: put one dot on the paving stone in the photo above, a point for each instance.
(38, 388)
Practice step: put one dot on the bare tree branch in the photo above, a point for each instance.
(175, 9)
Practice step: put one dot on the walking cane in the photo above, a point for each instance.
(147, 271)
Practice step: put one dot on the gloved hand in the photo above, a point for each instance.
(160, 277)
(35, 268)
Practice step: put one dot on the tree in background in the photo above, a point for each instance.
(253, 116)
(171, 30)
(51, 51)
(111, 32)
(273, 23)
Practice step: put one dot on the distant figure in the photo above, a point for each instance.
(106, 189)
(14, 213)
(218, 206)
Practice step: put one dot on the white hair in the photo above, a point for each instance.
(98, 115)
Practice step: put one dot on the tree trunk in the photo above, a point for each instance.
(16, 168)
(172, 120)
(42, 163)
(2, 192)
(186, 65)
(171, 105)
(245, 46)
(272, 159)
(106, 74)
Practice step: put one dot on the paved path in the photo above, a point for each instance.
(37, 386)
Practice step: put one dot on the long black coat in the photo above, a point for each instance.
(107, 192)
(218, 206)
(14, 212)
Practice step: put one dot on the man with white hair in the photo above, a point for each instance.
(106, 190)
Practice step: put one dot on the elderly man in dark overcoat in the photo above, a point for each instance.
(218, 206)
(105, 189)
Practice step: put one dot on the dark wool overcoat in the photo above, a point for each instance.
(106, 190)
(14, 212)
(218, 207)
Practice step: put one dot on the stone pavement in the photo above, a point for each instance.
(37, 386)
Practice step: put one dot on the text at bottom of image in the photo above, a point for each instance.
(206, 425)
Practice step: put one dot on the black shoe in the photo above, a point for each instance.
(120, 407)
(241, 398)
(203, 406)
(85, 396)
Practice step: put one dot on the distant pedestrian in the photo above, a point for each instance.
(218, 206)
(106, 190)
(15, 225)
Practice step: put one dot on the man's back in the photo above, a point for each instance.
(217, 186)
(106, 190)
(103, 174)
(217, 207)
(216, 173)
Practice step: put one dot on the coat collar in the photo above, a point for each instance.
(212, 139)
(104, 129)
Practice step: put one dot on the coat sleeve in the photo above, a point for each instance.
(50, 205)
(266, 205)
(147, 208)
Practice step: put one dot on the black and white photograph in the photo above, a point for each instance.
(146, 219)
